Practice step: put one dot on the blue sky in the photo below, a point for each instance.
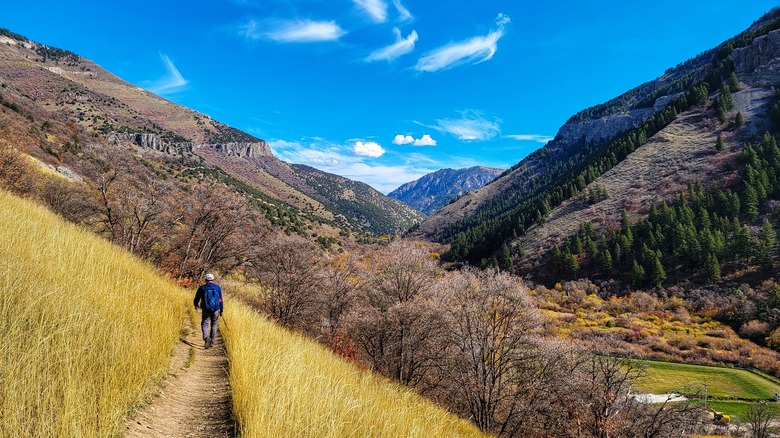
(384, 91)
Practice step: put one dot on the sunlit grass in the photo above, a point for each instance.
(85, 329)
(285, 383)
(668, 377)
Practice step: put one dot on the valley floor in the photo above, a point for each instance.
(195, 400)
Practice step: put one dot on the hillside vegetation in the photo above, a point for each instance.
(293, 386)
(87, 330)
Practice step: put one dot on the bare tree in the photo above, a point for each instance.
(292, 274)
(492, 317)
(16, 173)
(397, 322)
(760, 417)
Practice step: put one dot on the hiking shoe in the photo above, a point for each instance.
(209, 341)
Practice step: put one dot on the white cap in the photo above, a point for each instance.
(209, 277)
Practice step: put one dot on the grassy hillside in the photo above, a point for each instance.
(291, 385)
(86, 329)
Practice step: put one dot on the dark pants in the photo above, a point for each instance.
(209, 318)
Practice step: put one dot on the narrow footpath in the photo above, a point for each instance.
(195, 398)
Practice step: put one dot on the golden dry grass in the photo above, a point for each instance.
(293, 386)
(86, 330)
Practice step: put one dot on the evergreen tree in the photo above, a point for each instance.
(767, 244)
(750, 202)
(719, 144)
(657, 273)
(637, 275)
(712, 268)
(505, 259)
(739, 119)
(605, 261)
(734, 82)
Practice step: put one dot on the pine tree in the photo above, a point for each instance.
(637, 275)
(719, 144)
(657, 274)
(767, 244)
(750, 202)
(605, 261)
(505, 259)
(712, 268)
(739, 119)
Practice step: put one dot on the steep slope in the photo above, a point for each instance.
(598, 139)
(98, 107)
(435, 190)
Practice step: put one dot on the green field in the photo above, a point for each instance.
(721, 383)
(737, 410)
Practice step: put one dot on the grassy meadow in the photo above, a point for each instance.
(86, 330)
(291, 385)
(722, 383)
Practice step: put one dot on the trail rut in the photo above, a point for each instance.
(195, 399)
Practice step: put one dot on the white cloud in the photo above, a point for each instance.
(472, 125)
(401, 47)
(368, 149)
(377, 9)
(471, 51)
(403, 139)
(171, 83)
(403, 13)
(425, 140)
(293, 31)
(339, 159)
(531, 137)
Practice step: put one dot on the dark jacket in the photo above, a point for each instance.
(200, 295)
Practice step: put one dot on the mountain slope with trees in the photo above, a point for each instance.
(601, 138)
(435, 190)
(67, 102)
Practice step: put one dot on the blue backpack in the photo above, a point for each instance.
(212, 298)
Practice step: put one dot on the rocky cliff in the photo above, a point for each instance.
(435, 190)
(231, 149)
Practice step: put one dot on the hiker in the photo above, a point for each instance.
(209, 295)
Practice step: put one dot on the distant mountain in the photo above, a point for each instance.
(435, 190)
(637, 150)
(54, 100)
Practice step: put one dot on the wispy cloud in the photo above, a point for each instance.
(340, 159)
(471, 126)
(172, 82)
(368, 149)
(471, 51)
(401, 47)
(530, 137)
(403, 13)
(377, 9)
(292, 31)
(425, 140)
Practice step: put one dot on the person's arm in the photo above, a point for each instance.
(198, 296)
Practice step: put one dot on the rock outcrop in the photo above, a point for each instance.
(759, 63)
(232, 149)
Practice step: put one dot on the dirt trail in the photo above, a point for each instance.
(195, 399)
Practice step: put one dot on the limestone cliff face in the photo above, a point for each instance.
(759, 63)
(232, 149)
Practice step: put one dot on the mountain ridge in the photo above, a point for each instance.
(436, 189)
(102, 108)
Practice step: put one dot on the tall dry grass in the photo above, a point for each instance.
(85, 329)
(285, 385)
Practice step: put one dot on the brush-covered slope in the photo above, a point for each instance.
(41, 83)
(656, 136)
(435, 190)
(82, 337)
